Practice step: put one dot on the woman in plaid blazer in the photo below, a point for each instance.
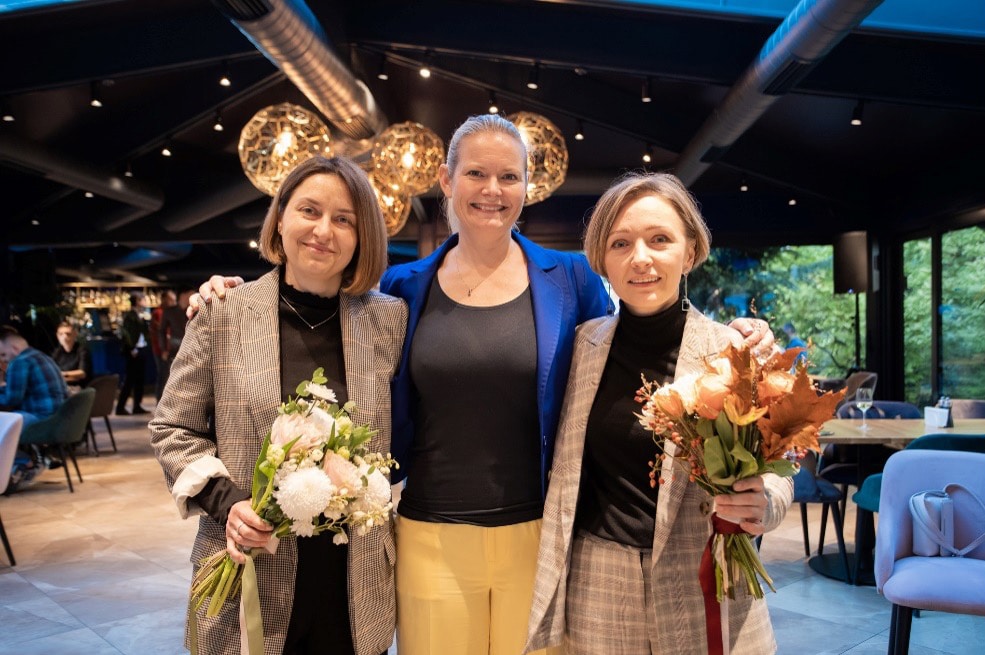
(618, 561)
(236, 364)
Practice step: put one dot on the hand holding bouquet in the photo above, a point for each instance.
(737, 420)
(314, 474)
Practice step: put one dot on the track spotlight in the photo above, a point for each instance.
(128, 172)
(224, 79)
(646, 97)
(94, 99)
(579, 132)
(217, 126)
(743, 186)
(857, 113)
(165, 151)
(493, 105)
(6, 115)
(648, 154)
(426, 66)
(382, 74)
(89, 194)
(533, 82)
(792, 202)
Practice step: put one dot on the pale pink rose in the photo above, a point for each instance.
(685, 386)
(342, 472)
(288, 427)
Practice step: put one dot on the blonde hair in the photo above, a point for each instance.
(473, 125)
(632, 187)
(369, 261)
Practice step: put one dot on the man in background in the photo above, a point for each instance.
(172, 331)
(72, 356)
(135, 342)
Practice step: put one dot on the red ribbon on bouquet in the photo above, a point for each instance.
(709, 588)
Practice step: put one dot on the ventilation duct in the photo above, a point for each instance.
(289, 35)
(804, 38)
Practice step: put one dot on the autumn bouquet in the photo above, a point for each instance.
(314, 474)
(739, 418)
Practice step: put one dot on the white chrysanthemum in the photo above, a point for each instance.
(321, 391)
(304, 494)
(376, 494)
(309, 431)
(303, 528)
(343, 473)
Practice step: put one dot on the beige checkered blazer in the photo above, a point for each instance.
(682, 520)
(229, 367)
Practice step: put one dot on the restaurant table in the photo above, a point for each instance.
(893, 433)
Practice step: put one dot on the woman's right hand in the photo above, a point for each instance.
(245, 529)
(216, 285)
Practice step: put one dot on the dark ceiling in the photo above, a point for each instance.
(914, 164)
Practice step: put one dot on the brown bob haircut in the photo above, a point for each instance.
(369, 261)
(632, 187)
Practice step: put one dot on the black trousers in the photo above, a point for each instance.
(133, 379)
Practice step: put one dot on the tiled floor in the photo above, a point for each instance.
(105, 570)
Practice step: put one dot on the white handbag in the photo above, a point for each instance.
(933, 523)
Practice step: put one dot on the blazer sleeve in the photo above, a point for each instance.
(182, 429)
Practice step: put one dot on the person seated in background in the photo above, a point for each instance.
(32, 387)
(794, 341)
(72, 357)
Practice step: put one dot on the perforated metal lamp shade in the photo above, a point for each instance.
(277, 139)
(395, 208)
(406, 158)
(547, 154)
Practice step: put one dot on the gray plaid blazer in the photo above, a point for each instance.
(682, 521)
(229, 368)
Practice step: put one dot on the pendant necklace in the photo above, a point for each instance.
(461, 274)
(303, 319)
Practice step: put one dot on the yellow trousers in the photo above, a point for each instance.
(465, 589)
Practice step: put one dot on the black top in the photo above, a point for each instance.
(615, 501)
(77, 358)
(476, 452)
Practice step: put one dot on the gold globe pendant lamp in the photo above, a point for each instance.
(277, 139)
(395, 208)
(547, 154)
(405, 159)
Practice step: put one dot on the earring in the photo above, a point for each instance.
(685, 302)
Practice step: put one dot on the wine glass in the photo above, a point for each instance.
(863, 400)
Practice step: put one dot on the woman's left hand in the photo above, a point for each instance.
(747, 506)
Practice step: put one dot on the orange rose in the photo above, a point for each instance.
(711, 391)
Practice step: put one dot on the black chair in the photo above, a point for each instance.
(10, 432)
(63, 430)
(809, 488)
(106, 387)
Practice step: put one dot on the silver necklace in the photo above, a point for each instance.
(304, 320)
(461, 274)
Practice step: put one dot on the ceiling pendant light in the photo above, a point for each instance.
(425, 70)
(381, 74)
(224, 79)
(743, 186)
(579, 132)
(217, 126)
(648, 154)
(493, 105)
(646, 96)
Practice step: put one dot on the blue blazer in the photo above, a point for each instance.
(565, 292)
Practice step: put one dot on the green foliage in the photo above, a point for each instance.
(917, 317)
(792, 284)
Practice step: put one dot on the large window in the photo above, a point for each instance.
(794, 285)
(917, 318)
(962, 311)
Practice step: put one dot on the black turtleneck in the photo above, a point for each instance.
(303, 349)
(615, 500)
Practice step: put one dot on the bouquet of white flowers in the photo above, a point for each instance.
(313, 474)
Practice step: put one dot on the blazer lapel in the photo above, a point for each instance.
(357, 349)
(260, 340)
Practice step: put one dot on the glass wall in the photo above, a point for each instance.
(917, 318)
(962, 310)
(789, 285)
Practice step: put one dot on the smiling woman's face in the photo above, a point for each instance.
(318, 230)
(646, 253)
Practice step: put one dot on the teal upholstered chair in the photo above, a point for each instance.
(63, 429)
(809, 488)
(911, 582)
(868, 496)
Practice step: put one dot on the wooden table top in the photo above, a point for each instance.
(891, 432)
